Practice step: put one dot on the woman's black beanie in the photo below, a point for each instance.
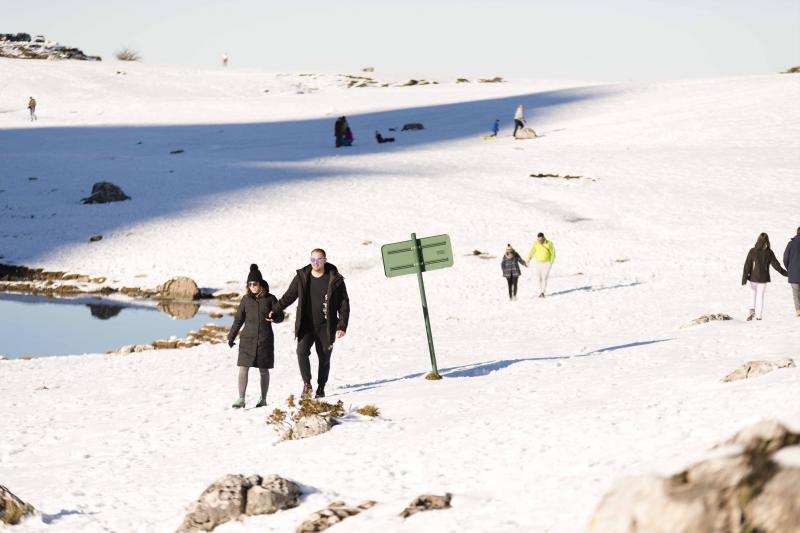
(255, 275)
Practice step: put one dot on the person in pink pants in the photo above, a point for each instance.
(756, 271)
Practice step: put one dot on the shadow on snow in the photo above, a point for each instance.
(218, 159)
(485, 368)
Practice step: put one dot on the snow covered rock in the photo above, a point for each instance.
(526, 133)
(743, 491)
(331, 515)
(427, 502)
(104, 192)
(413, 126)
(12, 509)
(752, 369)
(310, 426)
(179, 288)
(234, 495)
(708, 318)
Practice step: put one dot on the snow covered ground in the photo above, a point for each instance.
(544, 402)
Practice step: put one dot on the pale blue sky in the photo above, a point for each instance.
(590, 40)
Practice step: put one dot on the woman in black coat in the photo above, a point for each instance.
(756, 271)
(256, 343)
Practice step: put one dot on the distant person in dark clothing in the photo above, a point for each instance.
(257, 342)
(381, 139)
(791, 260)
(510, 265)
(32, 108)
(323, 310)
(756, 271)
(338, 132)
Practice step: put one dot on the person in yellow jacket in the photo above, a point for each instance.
(545, 254)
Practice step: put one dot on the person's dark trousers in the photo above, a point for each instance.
(512, 286)
(518, 125)
(318, 338)
(338, 141)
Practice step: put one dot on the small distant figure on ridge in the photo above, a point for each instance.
(381, 139)
(495, 127)
(510, 265)
(32, 108)
(225, 59)
(756, 271)
(545, 254)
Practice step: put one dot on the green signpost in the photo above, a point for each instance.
(416, 256)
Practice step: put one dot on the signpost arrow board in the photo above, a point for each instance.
(416, 256)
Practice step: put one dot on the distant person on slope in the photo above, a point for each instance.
(32, 108)
(323, 310)
(340, 130)
(348, 136)
(519, 119)
(510, 265)
(545, 254)
(225, 59)
(791, 260)
(756, 270)
(257, 343)
(496, 127)
(381, 139)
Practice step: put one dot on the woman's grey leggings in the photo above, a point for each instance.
(243, 370)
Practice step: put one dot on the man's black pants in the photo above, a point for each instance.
(319, 338)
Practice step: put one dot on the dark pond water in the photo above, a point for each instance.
(41, 327)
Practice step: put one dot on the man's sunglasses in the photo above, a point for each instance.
(316, 260)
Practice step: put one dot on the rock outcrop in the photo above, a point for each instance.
(179, 288)
(12, 509)
(22, 46)
(742, 491)
(310, 426)
(413, 126)
(235, 496)
(708, 318)
(752, 369)
(104, 192)
(332, 515)
(427, 502)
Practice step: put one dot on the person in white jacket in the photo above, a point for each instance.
(519, 119)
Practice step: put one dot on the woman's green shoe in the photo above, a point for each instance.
(262, 402)
(238, 404)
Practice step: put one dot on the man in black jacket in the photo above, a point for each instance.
(323, 310)
(791, 260)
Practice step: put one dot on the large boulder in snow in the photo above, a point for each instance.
(526, 133)
(104, 192)
(310, 426)
(752, 369)
(740, 489)
(427, 502)
(331, 515)
(12, 509)
(234, 496)
(179, 288)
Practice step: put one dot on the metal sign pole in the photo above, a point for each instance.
(419, 262)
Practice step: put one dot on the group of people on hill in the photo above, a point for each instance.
(519, 123)
(543, 253)
(756, 271)
(342, 132)
(323, 311)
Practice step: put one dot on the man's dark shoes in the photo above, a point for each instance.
(306, 391)
(320, 392)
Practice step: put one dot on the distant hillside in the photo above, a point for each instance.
(22, 46)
